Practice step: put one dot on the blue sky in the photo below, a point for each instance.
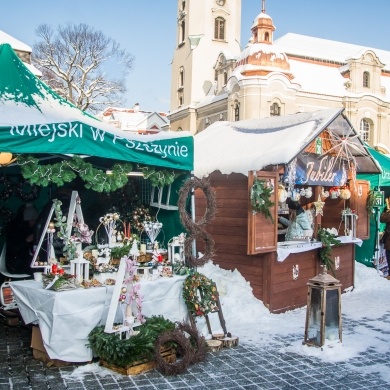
(147, 29)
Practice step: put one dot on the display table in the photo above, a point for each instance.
(285, 248)
(66, 318)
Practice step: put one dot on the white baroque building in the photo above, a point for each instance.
(213, 79)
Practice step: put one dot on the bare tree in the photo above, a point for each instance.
(75, 61)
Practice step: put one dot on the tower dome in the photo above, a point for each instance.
(261, 56)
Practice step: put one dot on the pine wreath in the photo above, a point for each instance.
(207, 301)
(260, 195)
(7, 188)
(26, 191)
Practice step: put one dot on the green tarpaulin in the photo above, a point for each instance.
(34, 119)
(380, 180)
(367, 252)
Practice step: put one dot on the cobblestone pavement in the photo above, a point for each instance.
(241, 367)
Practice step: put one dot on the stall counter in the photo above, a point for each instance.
(287, 247)
(66, 318)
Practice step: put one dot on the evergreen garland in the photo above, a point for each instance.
(67, 170)
(370, 203)
(260, 195)
(94, 178)
(327, 239)
(122, 353)
(159, 177)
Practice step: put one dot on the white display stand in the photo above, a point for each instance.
(79, 266)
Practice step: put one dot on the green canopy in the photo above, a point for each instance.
(378, 180)
(34, 119)
(367, 252)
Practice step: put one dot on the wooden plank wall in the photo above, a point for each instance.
(229, 228)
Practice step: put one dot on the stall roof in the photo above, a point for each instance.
(34, 119)
(242, 146)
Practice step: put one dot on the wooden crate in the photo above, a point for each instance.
(138, 367)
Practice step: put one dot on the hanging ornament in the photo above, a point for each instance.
(345, 193)
(319, 205)
(282, 193)
(309, 192)
(334, 192)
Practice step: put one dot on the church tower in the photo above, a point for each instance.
(205, 29)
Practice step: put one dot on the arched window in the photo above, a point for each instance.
(183, 5)
(365, 130)
(180, 100)
(219, 28)
(366, 79)
(266, 36)
(275, 109)
(237, 112)
(183, 31)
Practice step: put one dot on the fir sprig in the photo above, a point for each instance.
(111, 348)
(327, 239)
(261, 198)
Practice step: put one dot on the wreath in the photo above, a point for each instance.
(26, 191)
(207, 301)
(196, 230)
(140, 215)
(7, 188)
(189, 344)
(260, 195)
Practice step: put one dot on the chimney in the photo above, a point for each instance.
(136, 107)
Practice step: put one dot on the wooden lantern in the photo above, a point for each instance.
(323, 315)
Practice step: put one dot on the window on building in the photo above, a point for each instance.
(219, 28)
(183, 5)
(182, 31)
(225, 78)
(365, 130)
(180, 101)
(275, 109)
(266, 36)
(366, 79)
(237, 112)
(181, 78)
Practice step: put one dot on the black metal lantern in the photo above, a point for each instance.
(323, 315)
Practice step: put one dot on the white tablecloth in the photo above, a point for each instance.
(292, 247)
(66, 318)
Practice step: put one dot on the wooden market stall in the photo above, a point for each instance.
(311, 154)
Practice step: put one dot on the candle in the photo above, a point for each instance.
(143, 248)
(95, 253)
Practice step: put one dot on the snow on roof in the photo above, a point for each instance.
(261, 15)
(15, 43)
(336, 51)
(239, 147)
(318, 79)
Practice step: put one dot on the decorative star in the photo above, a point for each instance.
(319, 205)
